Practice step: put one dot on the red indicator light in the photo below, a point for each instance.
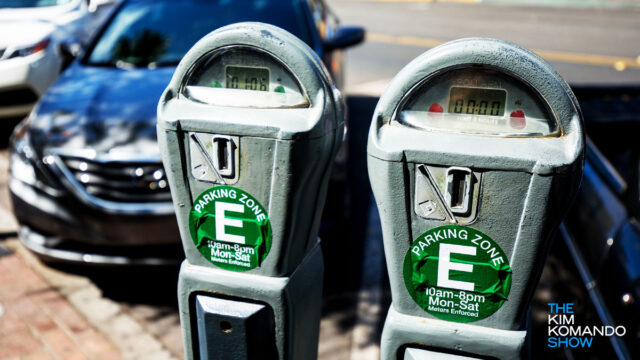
(518, 120)
(435, 108)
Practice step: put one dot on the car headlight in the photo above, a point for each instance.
(22, 154)
(22, 170)
(27, 50)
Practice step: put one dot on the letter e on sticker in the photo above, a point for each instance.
(222, 221)
(445, 264)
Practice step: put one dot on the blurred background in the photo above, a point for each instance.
(89, 248)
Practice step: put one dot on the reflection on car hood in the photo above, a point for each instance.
(24, 33)
(59, 14)
(106, 111)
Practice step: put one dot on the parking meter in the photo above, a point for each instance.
(248, 129)
(475, 151)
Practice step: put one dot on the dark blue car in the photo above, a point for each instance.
(87, 181)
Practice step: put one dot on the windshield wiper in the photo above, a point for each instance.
(166, 63)
(121, 64)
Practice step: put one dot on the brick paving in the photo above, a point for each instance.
(37, 322)
(162, 322)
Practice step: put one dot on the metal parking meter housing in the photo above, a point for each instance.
(252, 117)
(286, 173)
(507, 174)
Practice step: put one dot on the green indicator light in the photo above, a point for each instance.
(216, 84)
(279, 89)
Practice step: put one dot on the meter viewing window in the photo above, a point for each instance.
(477, 100)
(239, 76)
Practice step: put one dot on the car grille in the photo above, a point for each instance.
(118, 181)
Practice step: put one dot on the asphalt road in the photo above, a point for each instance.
(594, 46)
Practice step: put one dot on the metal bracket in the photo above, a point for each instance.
(234, 329)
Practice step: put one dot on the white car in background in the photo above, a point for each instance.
(37, 38)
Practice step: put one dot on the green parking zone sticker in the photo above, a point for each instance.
(230, 228)
(456, 273)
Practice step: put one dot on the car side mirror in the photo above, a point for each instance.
(95, 5)
(345, 36)
(69, 51)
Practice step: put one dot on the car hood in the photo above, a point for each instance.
(24, 33)
(54, 13)
(103, 112)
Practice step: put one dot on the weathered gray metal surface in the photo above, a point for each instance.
(285, 155)
(421, 354)
(403, 330)
(234, 329)
(284, 158)
(385, 130)
(527, 183)
(295, 301)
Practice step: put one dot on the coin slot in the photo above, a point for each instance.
(224, 155)
(459, 186)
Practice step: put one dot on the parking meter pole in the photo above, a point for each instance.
(287, 328)
(248, 129)
(486, 141)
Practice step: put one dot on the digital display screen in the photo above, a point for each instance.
(477, 101)
(247, 78)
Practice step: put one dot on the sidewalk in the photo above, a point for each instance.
(49, 314)
(37, 322)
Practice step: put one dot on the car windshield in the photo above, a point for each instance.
(31, 3)
(160, 32)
